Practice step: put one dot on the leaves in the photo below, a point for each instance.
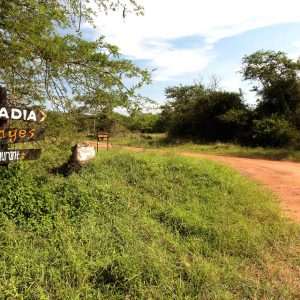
(279, 83)
(204, 112)
(46, 58)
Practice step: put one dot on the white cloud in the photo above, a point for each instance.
(174, 62)
(150, 37)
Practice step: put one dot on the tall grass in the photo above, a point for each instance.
(143, 226)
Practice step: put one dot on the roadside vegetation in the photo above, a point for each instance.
(210, 114)
(139, 225)
(205, 118)
(142, 226)
(163, 142)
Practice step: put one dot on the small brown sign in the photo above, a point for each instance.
(102, 136)
(16, 155)
(19, 135)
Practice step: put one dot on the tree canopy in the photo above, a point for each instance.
(46, 57)
(209, 114)
(279, 83)
(203, 112)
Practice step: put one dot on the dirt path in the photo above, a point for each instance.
(281, 177)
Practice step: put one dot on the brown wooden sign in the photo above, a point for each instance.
(16, 155)
(102, 136)
(23, 114)
(19, 135)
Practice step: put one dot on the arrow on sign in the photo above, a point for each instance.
(42, 116)
(23, 114)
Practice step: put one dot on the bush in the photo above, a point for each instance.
(25, 202)
(210, 115)
(273, 131)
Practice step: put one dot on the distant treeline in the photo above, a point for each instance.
(208, 114)
(211, 114)
(59, 123)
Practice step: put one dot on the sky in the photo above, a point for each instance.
(185, 41)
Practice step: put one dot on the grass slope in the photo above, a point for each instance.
(143, 226)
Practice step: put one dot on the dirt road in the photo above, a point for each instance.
(281, 177)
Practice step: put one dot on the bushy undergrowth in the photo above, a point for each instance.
(164, 142)
(143, 226)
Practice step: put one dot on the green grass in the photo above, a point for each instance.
(229, 149)
(143, 226)
(240, 151)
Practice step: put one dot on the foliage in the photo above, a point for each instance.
(211, 115)
(62, 125)
(26, 203)
(45, 56)
(144, 226)
(143, 122)
(204, 113)
(279, 83)
(66, 129)
(273, 131)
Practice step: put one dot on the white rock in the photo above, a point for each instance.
(84, 153)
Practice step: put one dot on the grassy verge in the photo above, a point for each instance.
(160, 141)
(143, 226)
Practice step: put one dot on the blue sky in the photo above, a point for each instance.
(192, 39)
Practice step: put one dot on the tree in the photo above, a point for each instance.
(278, 83)
(205, 113)
(45, 56)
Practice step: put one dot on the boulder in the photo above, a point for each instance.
(83, 153)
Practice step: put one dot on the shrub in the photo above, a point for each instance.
(24, 202)
(273, 131)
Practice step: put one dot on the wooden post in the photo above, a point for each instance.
(3, 123)
(95, 131)
(97, 139)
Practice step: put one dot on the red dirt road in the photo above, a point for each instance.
(281, 177)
